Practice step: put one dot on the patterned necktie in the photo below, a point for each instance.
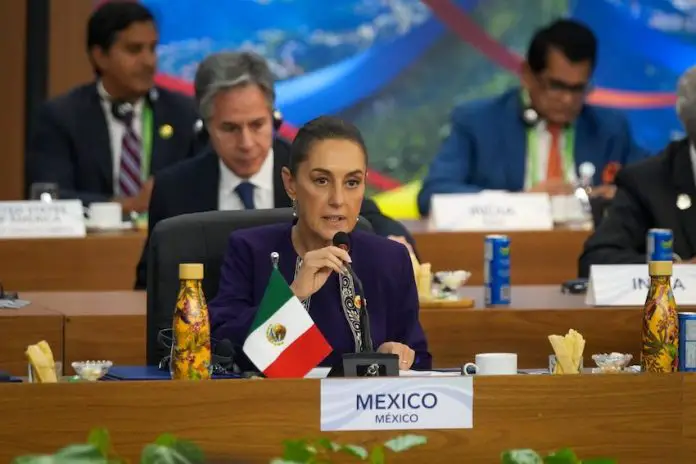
(129, 180)
(554, 168)
(245, 190)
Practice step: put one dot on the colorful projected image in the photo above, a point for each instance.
(397, 67)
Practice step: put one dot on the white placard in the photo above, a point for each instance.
(38, 219)
(392, 403)
(491, 211)
(628, 284)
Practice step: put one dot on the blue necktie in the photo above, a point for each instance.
(245, 190)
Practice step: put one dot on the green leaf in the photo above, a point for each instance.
(566, 453)
(563, 456)
(355, 451)
(328, 445)
(156, 454)
(405, 442)
(166, 439)
(38, 459)
(78, 454)
(187, 449)
(377, 455)
(190, 451)
(297, 451)
(520, 456)
(100, 438)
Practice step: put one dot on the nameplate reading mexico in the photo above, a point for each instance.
(397, 403)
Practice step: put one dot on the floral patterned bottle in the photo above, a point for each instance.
(660, 322)
(190, 328)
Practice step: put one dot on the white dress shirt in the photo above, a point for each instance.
(117, 129)
(262, 181)
(542, 157)
(692, 151)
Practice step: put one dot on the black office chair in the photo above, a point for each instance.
(194, 238)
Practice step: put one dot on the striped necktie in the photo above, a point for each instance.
(129, 180)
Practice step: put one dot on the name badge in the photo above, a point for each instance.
(397, 403)
(491, 211)
(628, 284)
(38, 219)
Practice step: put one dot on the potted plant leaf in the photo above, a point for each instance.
(166, 449)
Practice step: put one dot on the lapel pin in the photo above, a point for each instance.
(166, 131)
(683, 201)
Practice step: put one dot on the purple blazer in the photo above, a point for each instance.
(383, 266)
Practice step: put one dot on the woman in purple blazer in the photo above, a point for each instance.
(326, 183)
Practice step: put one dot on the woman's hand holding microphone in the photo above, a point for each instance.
(316, 268)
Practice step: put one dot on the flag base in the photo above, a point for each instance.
(366, 365)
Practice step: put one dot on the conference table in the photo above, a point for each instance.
(111, 325)
(630, 417)
(107, 261)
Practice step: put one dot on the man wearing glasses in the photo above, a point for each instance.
(536, 137)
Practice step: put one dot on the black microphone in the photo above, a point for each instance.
(342, 241)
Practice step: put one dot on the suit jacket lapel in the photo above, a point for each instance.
(281, 157)
(207, 183)
(514, 142)
(588, 147)
(683, 179)
(97, 131)
(157, 157)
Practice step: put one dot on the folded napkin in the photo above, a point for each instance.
(12, 303)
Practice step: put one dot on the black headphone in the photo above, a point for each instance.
(529, 115)
(122, 110)
(201, 132)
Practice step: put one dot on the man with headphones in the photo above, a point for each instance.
(241, 168)
(103, 141)
(536, 137)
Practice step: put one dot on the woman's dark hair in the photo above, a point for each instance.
(322, 128)
(572, 38)
(111, 18)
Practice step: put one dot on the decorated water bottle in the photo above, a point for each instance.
(191, 356)
(660, 322)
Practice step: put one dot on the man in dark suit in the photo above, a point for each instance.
(535, 138)
(658, 193)
(103, 141)
(241, 167)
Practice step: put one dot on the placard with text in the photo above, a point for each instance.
(628, 284)
(38, 219)
(491, 211)
(393, 403)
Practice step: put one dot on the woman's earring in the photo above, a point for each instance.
(294, 207)
(358, 219)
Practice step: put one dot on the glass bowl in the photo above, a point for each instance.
(613, 362)
(92, 370)
(447, 283)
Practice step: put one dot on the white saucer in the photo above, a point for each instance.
(125, 225)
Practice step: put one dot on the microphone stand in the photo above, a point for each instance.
(367, 361)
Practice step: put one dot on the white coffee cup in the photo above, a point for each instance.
(492, 364)
(106, 214)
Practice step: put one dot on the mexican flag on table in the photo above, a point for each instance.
(283, 340)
